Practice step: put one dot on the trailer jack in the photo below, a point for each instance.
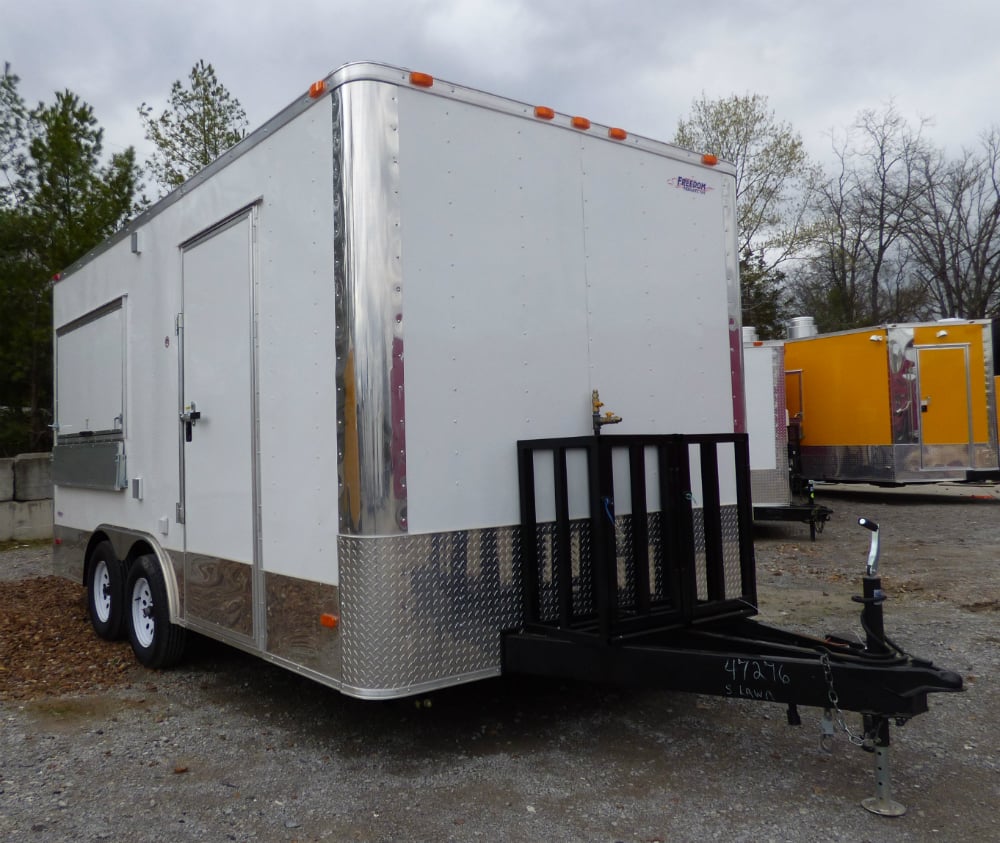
(642, 619)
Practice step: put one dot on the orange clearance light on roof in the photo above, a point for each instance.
(617, 134)
(709, 159)
(328, 620)
(580, 123)
(316, 89)
(424, 80)
(544, 112)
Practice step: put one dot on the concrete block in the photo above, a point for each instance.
(32, 477)
(25, 520)
(6, 480)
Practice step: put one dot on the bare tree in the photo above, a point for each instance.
(860, 270)
(954, 230)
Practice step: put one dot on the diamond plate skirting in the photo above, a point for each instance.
(425, 611)
(894, 463)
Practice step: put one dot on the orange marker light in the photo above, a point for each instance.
(617, 134)
(709, 159)
(328, 620)
(544, 112)
(424, 80)
(580, 123)
(316, 89)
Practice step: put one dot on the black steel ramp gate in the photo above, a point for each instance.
(660, 589)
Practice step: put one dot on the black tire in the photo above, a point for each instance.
(106, 591)
(155, 641)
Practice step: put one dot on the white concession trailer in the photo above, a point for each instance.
(289, 394)
(338, 401)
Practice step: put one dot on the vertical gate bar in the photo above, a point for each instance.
(682, 525)
(640, 526)
(715, 570)
(564, 562)
(668, 581)
(602, 528)
(529, 531)
(744, 507)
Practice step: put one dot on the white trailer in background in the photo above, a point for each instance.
(778, 490)
(289, 394)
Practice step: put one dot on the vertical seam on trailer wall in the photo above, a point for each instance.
(586, 263)
(258, 594)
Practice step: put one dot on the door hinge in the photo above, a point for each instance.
(179, 514)
(178, 324)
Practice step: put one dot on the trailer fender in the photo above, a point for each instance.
(129, 545)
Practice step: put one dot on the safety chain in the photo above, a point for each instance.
(867, 740)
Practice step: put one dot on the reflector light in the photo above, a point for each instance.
(316, 89)
(544, 112)
(709, 159)
(617, 134)
(328, 620)
(424, 80)
(580, 123)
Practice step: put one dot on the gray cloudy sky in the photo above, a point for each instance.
(633, 63)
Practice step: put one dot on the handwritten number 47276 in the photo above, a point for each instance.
(753, 670)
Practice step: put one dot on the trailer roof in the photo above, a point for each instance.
(375, 71)
(886, 326)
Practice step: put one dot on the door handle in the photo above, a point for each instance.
(189, 418)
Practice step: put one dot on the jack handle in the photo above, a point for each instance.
(871, 569)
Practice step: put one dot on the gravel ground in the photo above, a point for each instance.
(226, 747)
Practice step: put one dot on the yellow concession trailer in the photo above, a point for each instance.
(897, 404)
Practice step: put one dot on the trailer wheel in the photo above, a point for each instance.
(155, 641)
(105, 591)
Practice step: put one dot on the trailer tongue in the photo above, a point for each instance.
(664, 597)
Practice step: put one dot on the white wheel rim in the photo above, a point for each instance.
(102, 591)
(142, 613)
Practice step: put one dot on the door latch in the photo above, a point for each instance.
(190, 418)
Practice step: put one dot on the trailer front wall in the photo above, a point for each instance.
(497, 269)
(540, 264)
